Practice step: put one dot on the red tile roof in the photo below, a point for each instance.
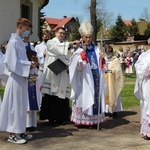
(54, 21)
(127, 22)
(58, 22)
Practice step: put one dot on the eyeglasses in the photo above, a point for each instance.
(61, 32)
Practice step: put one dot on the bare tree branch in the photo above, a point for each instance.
(145, 14)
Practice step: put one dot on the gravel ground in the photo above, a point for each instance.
(121, 133)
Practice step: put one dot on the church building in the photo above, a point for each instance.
(11, 10)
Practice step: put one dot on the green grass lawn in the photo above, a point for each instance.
(2, 91)
(128, 97)
(127, 94)
(130, 79)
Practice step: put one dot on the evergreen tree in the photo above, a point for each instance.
(133, 28)
(147, 31)
(118, 31)
(42, 15)
(75, 35)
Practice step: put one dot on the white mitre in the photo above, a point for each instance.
(85, 28)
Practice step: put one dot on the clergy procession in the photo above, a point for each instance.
(56, 83)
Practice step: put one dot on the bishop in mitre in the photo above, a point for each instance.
(87, 81)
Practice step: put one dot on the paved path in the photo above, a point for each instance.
(115, 134)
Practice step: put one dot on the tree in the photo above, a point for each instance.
(93, 18)
(146, 14)
(103, 23)
(42, 15)
(147, 31)
(75, 35)
(118, 31)
(99, 27)
(133, 28)
(98, 15)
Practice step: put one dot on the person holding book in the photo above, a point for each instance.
(56, 87)
(34, 93)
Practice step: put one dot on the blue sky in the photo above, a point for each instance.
(128, 9)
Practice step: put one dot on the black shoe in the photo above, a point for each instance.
(31, 129)
(60, 123)
(115, 115)
(146, 138)
(52, 123)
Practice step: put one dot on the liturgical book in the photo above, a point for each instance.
(57, 66)
(30, 53)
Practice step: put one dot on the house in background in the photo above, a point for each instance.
(127, 22)
(138, 39)
(130, 41)
(142, 25)
(11, 10)
(52, 24)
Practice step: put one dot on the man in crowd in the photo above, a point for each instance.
(55, 88)
(135, 54)
(41, 48)
(87, 81)
(41, 53)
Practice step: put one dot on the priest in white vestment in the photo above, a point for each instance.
(87, 81)
(142, 91)
(56, 88)
(14, 106)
